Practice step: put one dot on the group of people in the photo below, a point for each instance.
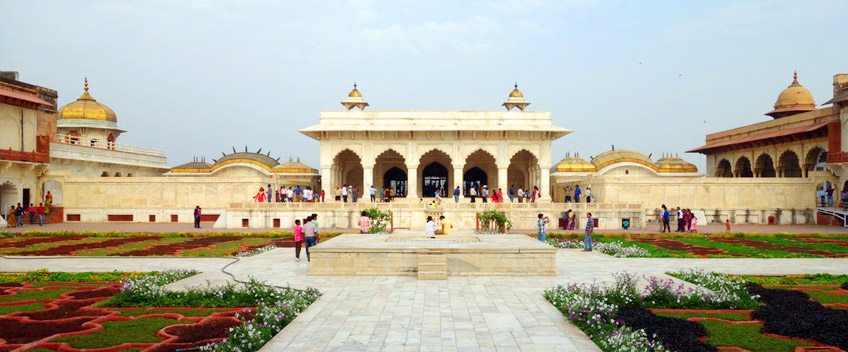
(529, 196)
(686, 220)
(543, 221)
(442, 228)
(296, 194)
(15, 216)
(307, 231)
(825, 196)
(576, 193)
(569, 222)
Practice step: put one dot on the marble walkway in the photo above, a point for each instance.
(400, 313)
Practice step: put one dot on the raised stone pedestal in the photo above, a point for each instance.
(357, 254)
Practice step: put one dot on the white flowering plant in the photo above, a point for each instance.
(614, 248)
(255, 251)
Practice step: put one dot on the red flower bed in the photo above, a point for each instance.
(71, 248)
(65, 309)
(39, 240)
(279, 243)
(172, 249)
(771, 246)
(209, 329)
(17, 332)
(822, 240)
(685, 247)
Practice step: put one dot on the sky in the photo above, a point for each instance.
(195, 78)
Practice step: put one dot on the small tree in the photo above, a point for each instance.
(500, 219)
(379, 219)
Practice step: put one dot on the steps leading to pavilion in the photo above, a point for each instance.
(432, 267)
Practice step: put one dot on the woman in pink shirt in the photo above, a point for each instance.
(298, 239)
(364, 223)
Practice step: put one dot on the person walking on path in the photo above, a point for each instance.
(197, 213)
(679, 220)
(693, 224)
(456, 192)
(298, 239)
(19, 214)
(577, 192)
(364, 223)
(31, 211)
(500, 196)
(540, 226)
(373, 192)
(310, 234)
(590, 229)
(687, 217)
(665, 220)
(40, 212)
(11, 219)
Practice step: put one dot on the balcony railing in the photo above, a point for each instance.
(837, 157)
(107, 145)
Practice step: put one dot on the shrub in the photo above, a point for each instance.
(844, 285)
(614, 248)
(379, 219)
(500, 219)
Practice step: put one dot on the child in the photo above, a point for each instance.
(693, 224)
(298, 239)
(727, 224)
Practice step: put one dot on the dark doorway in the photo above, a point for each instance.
(474, 177)
(435, 178)
(396, 180)
(26, 198)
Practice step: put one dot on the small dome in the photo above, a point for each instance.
(675, 165)
(294, 167)
(575, 164)
(87, 108)
(516, 93)
(354, 93)
(247, 157)
(619, 156)
(792, 100)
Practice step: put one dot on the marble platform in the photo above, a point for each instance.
(355, 254)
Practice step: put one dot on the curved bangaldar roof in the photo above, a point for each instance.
(574, 164)
(675, 165)
(247, 156)
(622, 155)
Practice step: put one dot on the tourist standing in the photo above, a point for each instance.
(355, 193)
(31, 211)
(511, 194)
(19, 214)
(290, 194)
(679, 220)
(269, 193)
(568, 194)
(373, 192)
(590, 228)
(500, 196)
(520, 195)
(473, 193)
(589, 197)
(565, 217)
(40, 211)
(315, 223)
(665, 220)
(307, 195)
(484, 194)
(687, 217)
(298, 239)
(260, 197)
(430, 226)
(821, 195)
(693, 225)
(197, 213)
(456, 192)
(577, 193)
(298, 194)
(364, 223)
(438, 196)
(540, 226)
(11, 218)
(338, 194)
(283, 194)
(310, 234)
(48, 203)
(572, 221)
(830, 196)
(344, 193)
(536, 195)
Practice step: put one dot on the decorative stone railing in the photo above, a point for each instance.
(445, 206)
(76, 140)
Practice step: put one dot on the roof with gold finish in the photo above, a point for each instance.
(792, 100)
(87, 108)
(516, 93)
(675, 165)
(622, 155)
(355, 92)
(575, 164)
(294, 167)
(262, 161)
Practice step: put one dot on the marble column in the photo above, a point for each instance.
(327, 180)
(367, 179)
(502, 180)
(545, 187)
(412, 181)
(457, 181)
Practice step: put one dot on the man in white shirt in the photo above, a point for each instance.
(344, 193)
(520, 195)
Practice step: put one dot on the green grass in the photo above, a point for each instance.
(799, 242)
(21, 308)
(118, 332)
(129, 247)
(826, 298)
(43, 275)
(42, 246)
(725, 316)
(814, 279)
(186, 312)
(63, 284)
(52, 293)
(747, 337)
(732, 248)
(224, 248)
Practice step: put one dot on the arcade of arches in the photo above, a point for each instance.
(787, 164)
(433, 171)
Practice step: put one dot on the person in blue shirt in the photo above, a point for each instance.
(665, 219)
(297, 194)
(590, 228)
(511, 193)
(456, 194)
(577, 193)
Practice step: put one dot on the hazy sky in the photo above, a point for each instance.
(197, 77)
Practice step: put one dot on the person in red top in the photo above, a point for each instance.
(40, 212)
(31, 211)
(298, 239)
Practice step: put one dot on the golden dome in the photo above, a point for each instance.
(87, 108)
(675, 165)
(575, 164)
(294, 167)
(516, 93)
(619, 156)
(354, 93)
(792, 100)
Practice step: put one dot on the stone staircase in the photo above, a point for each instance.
(432, 267)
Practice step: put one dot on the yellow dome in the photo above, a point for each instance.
(354, 93)
(619, 156)
(516, 93)
(575, 164)
(792, 100)
(674, 164)
(87, 108)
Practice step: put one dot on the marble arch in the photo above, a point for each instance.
(765, 166)
(743, 167)
(390, 171)
(723, 169)
(523, 170)
(788, 165)
(347, 170)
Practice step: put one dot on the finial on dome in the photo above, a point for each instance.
(354, 85)
(516, 85)
(86, 84)
(795, 77)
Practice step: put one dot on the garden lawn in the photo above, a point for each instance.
(183, 312)
(21, 308)
(142, 330)
(747, 336)
(49, 245)
(687, 315)
(50, 293)
(183, 246)
(226, 248)
(155, 241)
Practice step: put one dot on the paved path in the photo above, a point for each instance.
(400, 313)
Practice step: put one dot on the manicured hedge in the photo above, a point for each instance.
(677, 334)
(844, 285)
(792, 313)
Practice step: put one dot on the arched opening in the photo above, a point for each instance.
(765, 166)
(723, 169)
(105, 174)
(789, 165)
(390, 173)
(8, 197)
(435, 177)
(395, 180)
(523, 170)
(430, 179)
(743, 167)
(815, 160)
(347, 170)
(486, 163)
(474, 177)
